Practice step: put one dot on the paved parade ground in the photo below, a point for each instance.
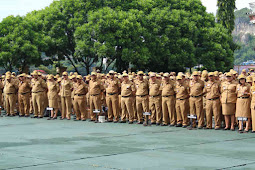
(27, 143)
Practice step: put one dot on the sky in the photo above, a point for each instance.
(21, 7)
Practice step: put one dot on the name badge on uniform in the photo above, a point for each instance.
(238, 89)
(128, 87)
(208, 85)
(253, 92)
(224, 87)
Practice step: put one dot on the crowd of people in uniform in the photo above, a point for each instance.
(168, 98)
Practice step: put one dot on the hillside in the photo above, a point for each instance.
(244, 35)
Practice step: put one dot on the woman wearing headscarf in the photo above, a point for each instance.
(228, 100)
(243, 101)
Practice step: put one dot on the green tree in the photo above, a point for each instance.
(226, 14)
(20, 43)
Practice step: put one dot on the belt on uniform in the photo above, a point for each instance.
(24, 93)
(155, 96)
(182, 99)
(37, 92)
(197, 96)
(168, 96)
(125, 96)
(141, 95)
(10, 93)
(111, 94)
(94, 94)
(214, 98)
(80, 94)
(243, 97)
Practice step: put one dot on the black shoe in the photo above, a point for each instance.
(116, 121)
(217, 128)
(145, 124)
(49, 118)
(184, 126)
(157, 124)
(91, 120)
(163, 124)
(130, 122)
(139, 123)
(252, 131)
(21, 115)
(34, 117)
(153, 123)
(83, 120)
(110, 121)
(200, 127)
(122, 121)
(171, 125)
(179, 125)
(26, 115)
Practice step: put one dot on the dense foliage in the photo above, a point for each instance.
(159, 35)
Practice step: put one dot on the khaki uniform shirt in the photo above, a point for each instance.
(228, 92)
(155, 88)
(142, 87)
(24, 87)
(182, 91)
(168, 88)
(10, 87)
(38, 85)
(80, 88)
(66, 88)
(95, 87)
(196, 87)
(252, 91)
(240, 90)
(127, 88)
(212, 90)
(112, 86)
(53, 90)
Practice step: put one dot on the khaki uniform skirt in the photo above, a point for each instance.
(228, 109)
(243, 107)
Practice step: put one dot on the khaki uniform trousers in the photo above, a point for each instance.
(134, 107)
(46, 101)
(213, 107)
(253, 119)
(94, 103)
(80, 107)
(10, 103)
(66, 105)
(196, 108)
(168, 108)
(182, 109)
(156, 109)
(127, 108)
(112, 102)
(24, 104)
(142, 105)
(38, 103)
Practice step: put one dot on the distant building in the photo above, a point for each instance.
(252, 14)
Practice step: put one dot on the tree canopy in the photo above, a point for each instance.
(158, 35)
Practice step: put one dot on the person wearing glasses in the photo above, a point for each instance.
(66, 88)
(142, 99)
(112, 87)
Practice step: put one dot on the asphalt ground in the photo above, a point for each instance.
(27, 143)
